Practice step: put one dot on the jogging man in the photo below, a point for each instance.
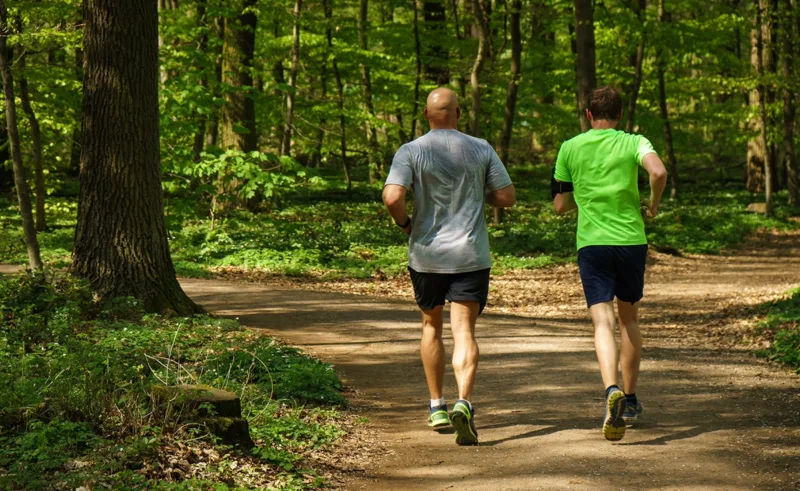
(596, 173)
(451, 175)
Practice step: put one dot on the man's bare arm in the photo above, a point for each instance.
(394, 197)
(502, 198)
(658, 181)
(565, 203)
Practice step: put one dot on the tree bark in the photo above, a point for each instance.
(436, 54)
(212, 128)
(585, 70)
(36, 140)
(762, 102)
(513, 88)
(672, 164)
(328, 7)
(238, 119)
(418, 74)
(120, 238)
(20, 182)
(200, 135)
(366, 84)
(75, 152)
(758, 150)
(789, 156)
(639, 7)
(288, 128)
(482, 26)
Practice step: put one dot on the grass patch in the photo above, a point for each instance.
(781, 324)
(317, 231)
(77, 378)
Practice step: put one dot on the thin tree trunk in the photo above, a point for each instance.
(212, 130)
(585, 56)
(513, 87)
(757, 148)
(435, 69)
(288, 128)
(238, 120)
(328, 7)
(662, 103)
(120, 238)
(477, 67)
(789, 157)
(75, 151)
(36, 140)
(418, 77)
(200, 134)
(366, 83)
(640, 6)
(23, 192)
(762, 105)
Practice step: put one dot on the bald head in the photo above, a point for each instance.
(442, 111)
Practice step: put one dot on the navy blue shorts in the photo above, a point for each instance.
(612, 271)
(432, 289)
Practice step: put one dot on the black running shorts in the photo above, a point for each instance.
(432, 289)
(612, 271)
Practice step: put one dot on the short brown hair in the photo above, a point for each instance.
(605, 103)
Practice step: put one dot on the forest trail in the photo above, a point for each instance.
(715, 418)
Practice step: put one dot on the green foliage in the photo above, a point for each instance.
(782, 323)
(76, 380)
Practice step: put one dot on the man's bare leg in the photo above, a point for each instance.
(432, 350)
(463, 316)
(605, 344)
(630, 353)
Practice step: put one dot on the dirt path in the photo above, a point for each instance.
(716, 419)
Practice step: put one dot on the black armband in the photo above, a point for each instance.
(557, 187)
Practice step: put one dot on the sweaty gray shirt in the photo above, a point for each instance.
(449, 173)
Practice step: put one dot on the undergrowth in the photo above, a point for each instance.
(76, 385)
(781, 324)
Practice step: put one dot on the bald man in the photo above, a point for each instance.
(451, 175)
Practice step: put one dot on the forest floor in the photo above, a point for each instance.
(715, 416)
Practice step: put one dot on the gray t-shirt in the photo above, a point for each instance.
(449, 173)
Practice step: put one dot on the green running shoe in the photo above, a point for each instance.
(462, 419)
(613, 424)
(437, 418)
(632, 412)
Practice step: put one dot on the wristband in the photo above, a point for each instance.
(408, 222)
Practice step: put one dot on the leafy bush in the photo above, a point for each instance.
(76, 382)
(782, 323)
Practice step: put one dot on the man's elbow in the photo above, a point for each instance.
(660, 174)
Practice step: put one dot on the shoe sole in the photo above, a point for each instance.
(464, 432)
(614, 425)
(440, 427)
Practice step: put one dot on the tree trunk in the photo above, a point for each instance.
(6, 174)
(288, 128)
(639, 7)
(200, 135)
(20, 182)
(662, 103)
(585, 56)
(480, 60)
(513, 87)
(120, 238)
(36, 140)
(762, 101)
(757, 148)
(238, 119)
(418, 75)
(212, 129)
(328, 7)
(436, 54)
(366, 84)
(789, 157)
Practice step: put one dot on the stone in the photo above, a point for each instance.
(757, 208)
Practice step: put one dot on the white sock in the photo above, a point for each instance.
(437, 402)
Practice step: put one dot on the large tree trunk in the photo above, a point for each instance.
(36, 140)
(436, 54)
(23, 192)
(482, 26)
(238, 120)
(288, 128)
(366, 84)
(585, 56)
(639, 7)
(120, 238)
(672, 164)
(761, 12)
(328, 7)
(513, 88)
(789, 157)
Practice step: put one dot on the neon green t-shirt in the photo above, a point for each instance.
(602, 166)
